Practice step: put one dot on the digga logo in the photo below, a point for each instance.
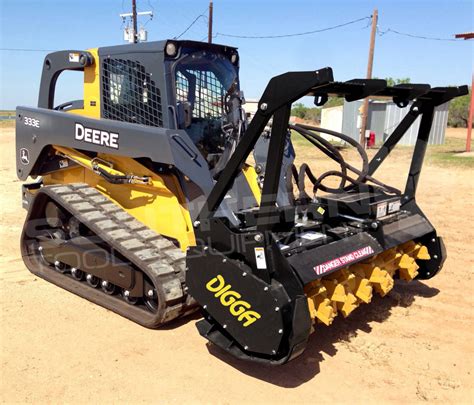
(232, 299)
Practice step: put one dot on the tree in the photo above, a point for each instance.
(459, 111)
(299, 110)
(392, 82)
(334, 102)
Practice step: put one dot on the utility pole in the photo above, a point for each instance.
(365, 110)
(469, 120)
(134, 21)
(465, 36)
(209, 32)
(132, 34)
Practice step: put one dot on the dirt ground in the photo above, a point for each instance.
(414, 345)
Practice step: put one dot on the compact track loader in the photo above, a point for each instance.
(153, 196)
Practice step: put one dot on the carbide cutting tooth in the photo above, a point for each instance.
(350, 303)
(363, 289)
(380, 279)
(422, 253)
(408, 268)
(320, 307)
(388, 261)
(325, 311)
(335, 291)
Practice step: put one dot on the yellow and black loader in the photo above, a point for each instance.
(153, 196)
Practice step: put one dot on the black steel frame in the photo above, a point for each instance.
(285, 89)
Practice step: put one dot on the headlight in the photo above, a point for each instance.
(171, 49)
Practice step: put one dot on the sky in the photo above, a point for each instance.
(72, 24)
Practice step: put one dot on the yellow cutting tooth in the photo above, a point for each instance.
(350, 303)
(408, 268)
(320, 307)
(381, 279)
(416, 250)
(335, 291)
(422, 253)
(388, 261)
(340, 294)
(325, 311)
(345, 289)
(346, 277)
(363, 290)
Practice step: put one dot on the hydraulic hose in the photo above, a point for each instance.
(331, 151)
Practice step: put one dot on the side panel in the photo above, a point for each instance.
(169, 147)
(152, 204)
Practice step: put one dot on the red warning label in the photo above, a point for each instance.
(343, 260)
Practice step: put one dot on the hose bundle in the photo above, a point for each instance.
(310, 133)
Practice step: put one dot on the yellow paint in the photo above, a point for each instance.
(160, 205)
(251, 177)
(345, 289)
(92, 89)
(228, 298)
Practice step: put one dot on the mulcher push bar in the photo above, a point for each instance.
(285, 89)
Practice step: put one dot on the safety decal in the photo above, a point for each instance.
(343, 260)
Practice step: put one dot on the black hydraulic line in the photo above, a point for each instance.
(363, 174)
(114, 179)
(328, 149)
(348, 139)
(304, 169)
(334, 154)
(362, 153)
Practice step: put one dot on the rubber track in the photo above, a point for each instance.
(152, 253)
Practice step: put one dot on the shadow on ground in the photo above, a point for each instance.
(307, 366)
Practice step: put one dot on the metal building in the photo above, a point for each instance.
(384, 117)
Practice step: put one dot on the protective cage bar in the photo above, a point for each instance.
(285, 89)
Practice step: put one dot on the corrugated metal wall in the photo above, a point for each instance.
(384, 118)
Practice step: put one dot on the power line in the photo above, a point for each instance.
(27, 50)
(294, 34)
(202, 15)
(406, 34)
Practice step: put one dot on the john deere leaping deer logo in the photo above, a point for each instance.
(232, 299)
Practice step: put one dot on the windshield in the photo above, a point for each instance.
(204, 80)
(208, 104)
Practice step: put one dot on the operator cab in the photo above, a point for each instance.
(208, 98)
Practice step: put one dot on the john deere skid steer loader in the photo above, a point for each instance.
(153, 196)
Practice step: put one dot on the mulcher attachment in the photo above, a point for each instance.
(293, 265)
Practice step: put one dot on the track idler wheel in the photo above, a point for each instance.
(60, 267)
(108, 287)
(77, 274)
(130, 300)
(151, 300)
(92, 280)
